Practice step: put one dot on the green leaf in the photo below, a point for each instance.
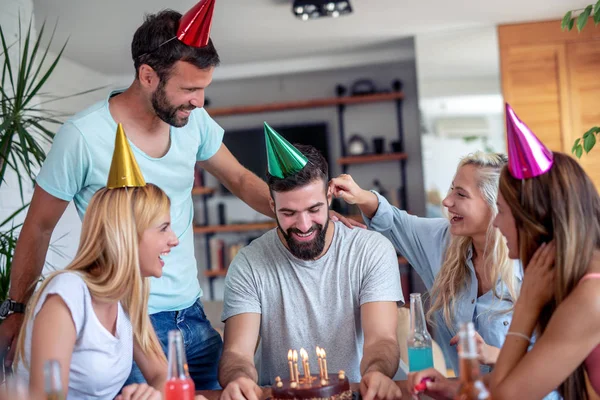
(597, 7)
(583, 18)
(575, 145)
(566, 19)
(579, 151)
(589, 142)
(597, 15)
(7, 62)
(13, 215)
(571, 23)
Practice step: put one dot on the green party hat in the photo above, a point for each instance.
(283, 158)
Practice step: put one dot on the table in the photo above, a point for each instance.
(215, 394)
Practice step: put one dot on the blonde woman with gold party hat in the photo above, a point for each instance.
(92, 316)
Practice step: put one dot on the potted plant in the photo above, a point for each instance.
(26, 122)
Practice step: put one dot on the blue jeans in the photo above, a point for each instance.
(203, 344)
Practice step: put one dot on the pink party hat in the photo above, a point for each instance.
(527, 155)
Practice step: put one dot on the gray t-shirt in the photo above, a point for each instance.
(312, 303)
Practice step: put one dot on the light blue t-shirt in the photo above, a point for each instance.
(78, 165)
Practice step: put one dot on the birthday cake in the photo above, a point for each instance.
(335, 387)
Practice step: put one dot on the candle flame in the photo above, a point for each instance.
(318, 351)
(290, 355)
(323, 354)
(303, 354)
(295, 356)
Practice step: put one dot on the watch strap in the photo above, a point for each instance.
(17, 307)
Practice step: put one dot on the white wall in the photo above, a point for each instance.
(459, 83)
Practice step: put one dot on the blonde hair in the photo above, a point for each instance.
(561, 205)
(108, 257)
(454, 273)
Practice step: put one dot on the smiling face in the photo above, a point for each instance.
(182, 92)
(469, 212)
(303, 219)
(155, 243)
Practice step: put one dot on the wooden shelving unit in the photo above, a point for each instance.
(235, 227)
(215, 273)
(201, 190)
(340, 102)
(303, 104)
(372, 158)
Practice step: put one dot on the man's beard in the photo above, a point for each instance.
(306, 250)
(166, 111)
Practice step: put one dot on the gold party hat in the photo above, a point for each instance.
(124, 170)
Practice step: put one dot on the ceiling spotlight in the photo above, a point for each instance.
(313, 9)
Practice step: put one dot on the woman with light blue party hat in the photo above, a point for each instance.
(92, 317)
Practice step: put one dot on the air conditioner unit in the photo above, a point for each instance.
(461, 127)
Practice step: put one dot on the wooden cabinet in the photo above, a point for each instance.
(552, 80)
(583, 60)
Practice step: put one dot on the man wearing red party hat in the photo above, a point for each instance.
(169, 131)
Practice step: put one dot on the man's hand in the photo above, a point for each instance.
(242, 388)
(376, 386)
(9, 333)
(349, 222)
(487, 354)
(139, 392)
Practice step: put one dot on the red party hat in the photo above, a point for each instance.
(194, 26)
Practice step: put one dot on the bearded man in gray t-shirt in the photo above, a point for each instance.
(311, 282)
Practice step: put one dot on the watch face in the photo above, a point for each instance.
(4, 308)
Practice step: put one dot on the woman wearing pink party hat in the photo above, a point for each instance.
(549, 213)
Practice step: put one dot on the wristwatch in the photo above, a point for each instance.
(9, 306)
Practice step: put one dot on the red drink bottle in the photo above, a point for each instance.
(179, 385)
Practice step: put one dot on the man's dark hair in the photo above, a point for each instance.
(316, 168)
(156, 30)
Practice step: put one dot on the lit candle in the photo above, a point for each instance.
(295, 359)
(321, 376)
(324, 358)
(290, 355)
(305, 365)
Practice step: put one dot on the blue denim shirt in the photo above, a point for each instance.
(423, 242)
